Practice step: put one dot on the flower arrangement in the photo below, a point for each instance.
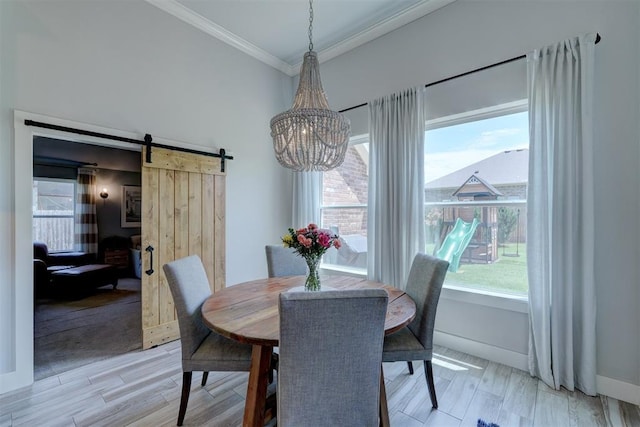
(311, 243)
(311, 240)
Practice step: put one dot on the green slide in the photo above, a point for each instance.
(456, 242)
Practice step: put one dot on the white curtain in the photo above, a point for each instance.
(560, 243)
(306, 198)
(86, 225)
(396, 185)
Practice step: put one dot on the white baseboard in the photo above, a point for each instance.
(618, 389)
(486, 351)
(11, 381)
(604, 385)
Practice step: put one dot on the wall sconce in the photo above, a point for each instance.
(104, 194)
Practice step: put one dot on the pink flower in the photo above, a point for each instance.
(304, 241)
(337, 244)
(324, 240)
(310, 240)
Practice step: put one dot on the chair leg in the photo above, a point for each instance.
(410, 365)
(205, 375)
(186, 388)
(274, 366)
(428, 373)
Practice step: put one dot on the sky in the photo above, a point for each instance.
(451, 148)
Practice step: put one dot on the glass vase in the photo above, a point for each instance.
(313, 278)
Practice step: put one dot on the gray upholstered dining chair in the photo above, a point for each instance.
(283, 261)
(202, 350)
(415, 341)
(330, 357)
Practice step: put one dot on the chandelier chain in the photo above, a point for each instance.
(310, 25)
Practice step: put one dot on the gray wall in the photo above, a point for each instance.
(109, 210)
(130, 66)
(469, 34)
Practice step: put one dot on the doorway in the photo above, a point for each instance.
(19, 329)
(210, 247)
(75, 327)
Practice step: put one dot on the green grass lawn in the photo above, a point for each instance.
(506, 274)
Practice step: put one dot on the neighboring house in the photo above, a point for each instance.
(347, 185)
(506, 172)
(503, 176)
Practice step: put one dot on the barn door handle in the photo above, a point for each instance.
(150, 250)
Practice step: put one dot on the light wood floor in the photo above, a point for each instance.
(143, 389)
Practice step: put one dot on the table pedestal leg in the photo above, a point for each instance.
(254, 408)
(384, 409)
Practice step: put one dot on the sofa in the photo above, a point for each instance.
(83, 278)
(45, 263)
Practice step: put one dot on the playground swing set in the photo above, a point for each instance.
(470, 233)
(471, 241)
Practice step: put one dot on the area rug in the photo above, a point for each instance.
(69, 333)
(482, 423)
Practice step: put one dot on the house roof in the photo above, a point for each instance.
(507, 167)
(476, 186)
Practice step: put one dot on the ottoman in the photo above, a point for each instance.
(86, 276)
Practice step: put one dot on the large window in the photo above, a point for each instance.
(476, 174)
(344, 208)
(53, 210)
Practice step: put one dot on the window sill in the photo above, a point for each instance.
(500, 301)
(507, 302)
(339, 269)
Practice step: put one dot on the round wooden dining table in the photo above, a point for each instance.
(248, 313)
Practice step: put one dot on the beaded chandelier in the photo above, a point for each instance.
(309, 136)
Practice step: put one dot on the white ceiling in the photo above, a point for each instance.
(276, 31)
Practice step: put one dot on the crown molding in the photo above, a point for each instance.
(173, 7)
(198, 21)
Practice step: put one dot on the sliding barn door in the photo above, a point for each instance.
(183, 213)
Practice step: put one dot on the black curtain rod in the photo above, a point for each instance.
(147, 140)
(506, 61)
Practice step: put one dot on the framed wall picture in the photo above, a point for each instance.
(131, 208)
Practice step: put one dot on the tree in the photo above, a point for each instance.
(507, 221)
